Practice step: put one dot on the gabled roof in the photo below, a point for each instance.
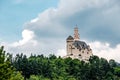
(80, 45)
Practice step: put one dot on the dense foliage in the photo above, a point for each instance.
(41, 67)
(53, 68)
(7, 71)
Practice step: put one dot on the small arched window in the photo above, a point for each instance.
(79, 54)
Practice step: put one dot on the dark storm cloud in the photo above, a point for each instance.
(96, 21)
(97, 24)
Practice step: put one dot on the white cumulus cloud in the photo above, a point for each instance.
(61, 52)
(27, 36)
(104, 50)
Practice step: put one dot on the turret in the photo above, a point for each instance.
(69, 41)
(76, 34)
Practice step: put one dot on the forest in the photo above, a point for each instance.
(40, 67)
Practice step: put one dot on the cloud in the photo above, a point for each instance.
(61, 52)
(26, 45)
(29, 44)
(27, 36)
(93, 16)
(104, 50)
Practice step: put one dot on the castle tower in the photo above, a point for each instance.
(69, 41)
(76, 34)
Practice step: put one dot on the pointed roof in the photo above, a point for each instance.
(70, 38)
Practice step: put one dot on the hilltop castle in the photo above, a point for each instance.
(76, 48)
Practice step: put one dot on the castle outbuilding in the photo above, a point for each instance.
(76, 48)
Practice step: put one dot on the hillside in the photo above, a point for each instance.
(40, 67)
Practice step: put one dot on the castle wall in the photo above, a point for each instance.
(73, 52)
(83, 54)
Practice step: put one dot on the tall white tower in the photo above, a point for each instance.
(76, 34)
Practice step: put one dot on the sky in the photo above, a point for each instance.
(42, 26)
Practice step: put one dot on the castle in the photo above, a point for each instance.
(76, 48)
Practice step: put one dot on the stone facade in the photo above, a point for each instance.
(76, 48)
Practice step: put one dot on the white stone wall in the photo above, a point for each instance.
(69, 44)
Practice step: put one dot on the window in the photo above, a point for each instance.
(79, 54)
